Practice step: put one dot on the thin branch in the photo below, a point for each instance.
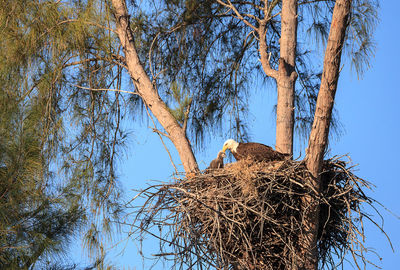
(118, 57)
(264, 55)
(159, 133)
(155, 130)
(230, 6)
(248, 3)
(149, 56)
(105, 89)
(186, 116)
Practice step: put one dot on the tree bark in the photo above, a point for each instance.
(146, 90)
(320, 129)
(286, 78)
(286, 74)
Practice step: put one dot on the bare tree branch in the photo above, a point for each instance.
(230, 6)
(147, 91)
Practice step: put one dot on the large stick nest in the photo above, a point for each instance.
(249, 216)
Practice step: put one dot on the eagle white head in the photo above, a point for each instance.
(231, 145)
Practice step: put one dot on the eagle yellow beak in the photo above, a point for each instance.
(224, 148)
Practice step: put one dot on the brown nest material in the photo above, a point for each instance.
(248, 216)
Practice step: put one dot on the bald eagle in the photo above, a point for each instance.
(217, 163)
(255, 151)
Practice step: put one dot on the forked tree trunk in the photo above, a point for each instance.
(320, 130)
(147, 91)
(286, 78)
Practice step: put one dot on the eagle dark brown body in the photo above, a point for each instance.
(257, 152)
(254, 151)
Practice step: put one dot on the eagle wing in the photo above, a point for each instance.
(258, 152)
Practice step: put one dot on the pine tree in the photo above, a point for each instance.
(59, 140)
(37, 219)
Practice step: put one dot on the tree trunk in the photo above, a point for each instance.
(320, 130)
(286, 78)
(147, 91)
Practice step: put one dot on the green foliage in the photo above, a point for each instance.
(59, 140)
(37, 219)
(212, 55)
(314, 20)
(209, 55)
(360, 45)
(182, 103)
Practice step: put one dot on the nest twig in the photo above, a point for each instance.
(248, 216)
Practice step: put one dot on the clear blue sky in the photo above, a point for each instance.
(369, 110)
